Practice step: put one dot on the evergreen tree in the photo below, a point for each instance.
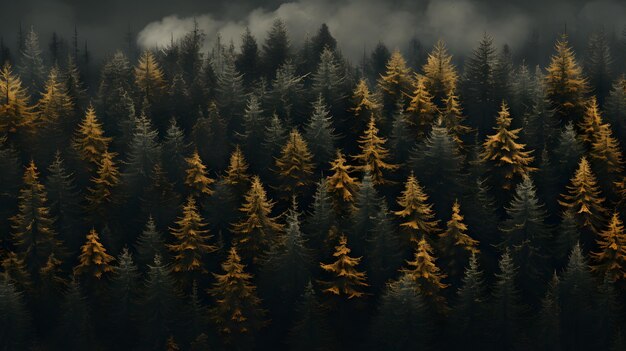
(401, 139)
(440, 73)
(15, 318)
(287, 93)
(548, 323)
(322, 217)
(150, 243)
(365, 107)
(341, 186)
(610, 260)
(94, 261)
(426, 275)
(15, 110)
(456, 246)
(598, 65)
(197, 179)
(503, 75)
(274, 137)
(294, 165)
(396, 83)
(417, 217)
(31, 63)
(124, 291)
(366, 203)
(328, 79)
(229, 95)
(75, 320)
(254, 127)
(478, 84)
(237, 314)
(591, 122)
(606, 157)
(149, 79)
(469, 313)
(384, 250)
(276, 49)
(247, 62)
(56, 111)
(160, 200)
(237, 173)
(211, 136)
(310, 331)
(144, 152)
(320, 134)
(540, 124)
(452, 118)
(567, 236)
(421, 107)
(174, 150)
(374, 155)
(100, 198)
(89, 141)
(346, 280)
(616, 107)
(506, 309)
(568, 151)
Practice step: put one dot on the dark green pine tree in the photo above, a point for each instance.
(384, 249)
(328, 80)
(72, 79)
(567, 236)
(248, 61)
(376, 64)
(320, 134)
(310, 331)
(525, 90)
(567, 153)
(121, 119)
(608, 309)
(287, 95)
(14, 317)
(160, 306)
(65, 203)
(548, 182)
(179, 100)
(31, 68)
(276, 49)
(526, 237)
(402, 139)
(437, 164)
(322, 218)
(503, 76)
(366, 207)
(254, 123)
(9, 185)
(124, 290)
(469, 315)
(506, 308)
(403, 321)
(540, 123)
(115, 82)
(274, 138)
(144, 152)
(229, 94)
(477, 85)
(160, 200)
(150, 243)
(175, 149)
(576, 294)
(599, 65)
(211, 136)
(75, 320)
(322, 40)
(548, 322)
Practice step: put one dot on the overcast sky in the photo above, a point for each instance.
(355, 23)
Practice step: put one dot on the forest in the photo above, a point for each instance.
(277, 196)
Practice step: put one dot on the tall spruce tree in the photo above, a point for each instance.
(610, 259)
(374, 155)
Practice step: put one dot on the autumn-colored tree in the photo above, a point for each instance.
(149, 77)
(456, 246)
(395, 83)
(15, 110)
(237, 172)
(425, 273)
(93, 260)
(365, 107)
(347, 281)
(565, 83)
(197, 178)
(417, 216)
(90, 142)
(508, 159)
(591, 122)
(191, 241)
(422, 109)
(107, 178)
(341, 185)
(374, 155)
(610, 260)
(584, 199)
(294, 165)
(452, 117)
(257, 229)
(606, 158)
(441, 75)
(56, 109)
(33, 226)
(237, 312)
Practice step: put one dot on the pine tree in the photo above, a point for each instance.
(374, 155)
(197, 178)
(421, 107)
(310, 331)
(565, 83)
(248, 61)
(237, 314)
(93, 260)
(396, 82)
(426, 275)
(567, 236)
(509, 161)
(506, 309)
(540, 124)
(149, 244)
(478, 84)
(276, 49)
(591, 122)
(14, 269)
(257, 229)
(548, 323)
(341, 186)
(598, 65)
(611, 258)
(616, 107)
(469, 314)
(365, 107)
(401, 139)
(174, 150)
(31, 64)
(237, 172)
(101, 198)
(229, 93)
(15, 319)
(383, 247)
(441, 75)
(417, 216)
(568, 152)
(124, 291)
(149, 78)
(75, 320)
(15, 110)
(322, 218)
(584, 199)
(160, 200)
(347, 281)
(144, 152)
(606, 157)
(89, 141)
(287, 93)
(456, 246)
(211, 136)
(191, 242)
(503, 75)
(274, 137)
(320, 134)
(56, 110)
(452, 118)
(294, 166)
(33, 226)
(328, 79)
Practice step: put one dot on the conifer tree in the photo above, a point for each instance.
(548, 323)
(383, 247)
(149, 244)
(144, 152)
(94, 261)
(248, 61)
(33, 226)
(237, 172)
(421, 107)
(74, 86)
(56, 110)
(237, 314)
(440, 73)
(374, 155)
(452, 118)
(64, 201)
(598, 65)
(508, 159)
(294, 166)
(101, 197)
(568, 151)
(174, 150)
(14, 269)
(610, 260)
(456, 246)
(396, 82)
(341, 186)
(160, 200)
(426, 275)
(75, 320)
(322, 217)
(567, 236)
(540, 124)
(616, 107)
(310, 331)
(469, 313)
(503, 75)
(31, 63)
(565, 83)
(89, 141)
(149, 78)
(257, 229)
(606, 156)
(591, 122)
(287, 92)
(276, 49)
(365, 106)
(125, 280)
(191, 242)
(274, 137)
(15, 110)
(254, 124)
(346, 280)
(15, 319)
(320, 134)
(584, 199)
(211, 137)
(366, 206)
(328, 79)
(506, 309)
(229, 95)
(197, 178)
(402, 138)
(417, 216)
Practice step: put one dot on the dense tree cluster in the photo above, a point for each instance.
(278, 197)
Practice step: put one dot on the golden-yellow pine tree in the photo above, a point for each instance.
(425, 273)
(455, 245)
(15, 110)
(237, 172)
(417, 216)
(257, 229)
(583, 198)
(90, 142)
(93, 260)
(395, 83)
(197, 178)
(452, 117)
(422, 109)
(294, 166)
(149, 77)
(441, 75)
(373, 154)
(100, 193)
(565, 84)
(610, 260)
(54, 99)
(365, 106)
(606, 151)
(191, 244)
(508, 159)
(346, 281)
(340, 184)
(591, 121)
